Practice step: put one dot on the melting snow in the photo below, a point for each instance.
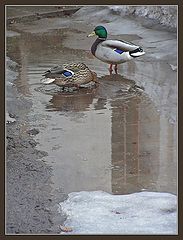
(98, 212)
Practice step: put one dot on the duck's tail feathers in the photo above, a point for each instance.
(137, 52)
(47, 80)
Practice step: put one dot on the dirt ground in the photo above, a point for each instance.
(30, 205)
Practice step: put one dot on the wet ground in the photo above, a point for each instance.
(114, 138)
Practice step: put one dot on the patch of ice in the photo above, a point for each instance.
(98, 212)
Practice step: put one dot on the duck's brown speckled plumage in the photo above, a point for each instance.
(81, 74)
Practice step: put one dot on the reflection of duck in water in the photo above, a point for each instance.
(72, 102)
(113, 52)
(69, 75)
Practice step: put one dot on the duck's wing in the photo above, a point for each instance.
(119, 44)
(75, 67)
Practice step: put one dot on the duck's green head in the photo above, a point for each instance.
(100, 31)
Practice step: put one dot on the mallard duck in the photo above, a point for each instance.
(69, 75)
(113, 52)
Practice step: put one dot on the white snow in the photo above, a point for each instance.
(98, 212)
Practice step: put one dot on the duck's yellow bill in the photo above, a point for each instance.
(92, 34)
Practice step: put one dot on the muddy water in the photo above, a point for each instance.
(107, 138)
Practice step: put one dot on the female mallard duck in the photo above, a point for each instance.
(69, 75)
(113, 51)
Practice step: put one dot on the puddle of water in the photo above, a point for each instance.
(104, 139)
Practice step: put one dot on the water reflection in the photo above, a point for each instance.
(141, 139)
(120, 145)
(125, 146)
(78, 101)
(112, 139)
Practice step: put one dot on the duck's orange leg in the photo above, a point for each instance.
(110, 69)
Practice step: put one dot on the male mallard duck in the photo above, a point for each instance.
(69, 75)
(113, 51)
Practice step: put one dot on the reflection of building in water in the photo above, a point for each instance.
(130, 142)
(167, 178)
(142, 148)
